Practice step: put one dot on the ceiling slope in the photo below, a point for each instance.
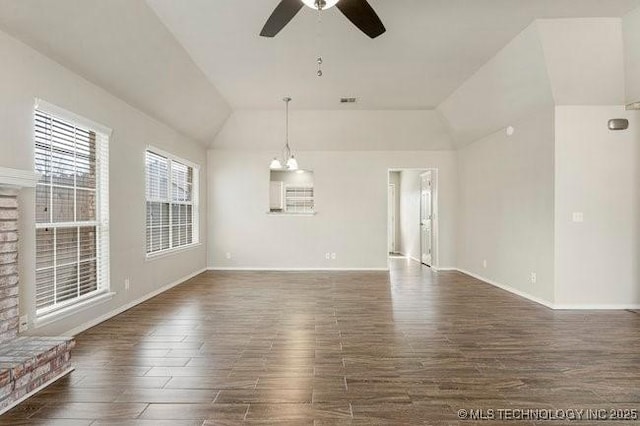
(430, 48)
(585, 60)
(552, 62)
(121, 46)
(631, 31)
(512, 84)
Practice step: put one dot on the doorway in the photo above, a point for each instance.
(426, 219)
(412, 215)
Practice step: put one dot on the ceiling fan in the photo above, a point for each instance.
(359, 12)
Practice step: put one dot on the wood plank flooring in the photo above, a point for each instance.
(411, 347)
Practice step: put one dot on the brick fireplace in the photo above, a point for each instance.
(27, 363)
(9, 316)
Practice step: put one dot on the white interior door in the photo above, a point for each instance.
(426, 219)
(392, 218)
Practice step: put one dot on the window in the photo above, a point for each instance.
(72, 211)
(172, 208)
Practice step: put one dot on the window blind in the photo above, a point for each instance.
(72, 230)
(171, 202)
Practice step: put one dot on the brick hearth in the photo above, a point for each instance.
(26, 363)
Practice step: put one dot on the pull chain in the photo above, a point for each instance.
(320, 4)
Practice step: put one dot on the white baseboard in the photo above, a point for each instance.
(509, 289)
(87, 325)
(444, 269)
(594, 307)
(36, 390)
(243, 269)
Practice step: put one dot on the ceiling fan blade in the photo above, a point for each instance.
(281, 16)
(362, 15)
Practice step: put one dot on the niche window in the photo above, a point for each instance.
(292, 192)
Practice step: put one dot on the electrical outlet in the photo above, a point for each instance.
(578, 217)
(228, 255)
(127, 283)
(534, 277)
(333, 256)
(24, 324)
(327, 256)
(484, 263)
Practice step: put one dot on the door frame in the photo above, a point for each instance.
(392, 238)
(435, 206)
(430, 219)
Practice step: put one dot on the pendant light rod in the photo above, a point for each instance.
(289, 161)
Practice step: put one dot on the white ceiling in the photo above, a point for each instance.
(207, 58)
(121, 46)
(431, 47)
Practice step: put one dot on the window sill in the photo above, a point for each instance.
(291, 214)
(159, 255)
(75, 308)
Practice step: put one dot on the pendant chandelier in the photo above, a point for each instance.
(289, 161)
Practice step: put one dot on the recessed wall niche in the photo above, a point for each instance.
(291, 192)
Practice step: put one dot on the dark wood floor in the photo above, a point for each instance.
(340, 348)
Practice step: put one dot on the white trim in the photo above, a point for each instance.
(595, 307)
(173, 157)
(72, 308)
(445, 269)
(62, 113)
(36, 390)
(17, 178)
(509, 289)
(169, 252)
(121, 309)
(243, 269)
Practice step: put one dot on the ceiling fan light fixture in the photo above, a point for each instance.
(313, 4)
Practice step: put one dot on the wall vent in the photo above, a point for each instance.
(348, 100)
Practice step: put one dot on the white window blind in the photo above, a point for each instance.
(172, 196)
(72, 210)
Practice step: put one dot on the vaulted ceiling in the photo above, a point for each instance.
(189, 63)
(430, 48)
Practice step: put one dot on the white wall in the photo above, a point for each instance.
(410, 188)
(338, 130)
(351, 201)
(631, 32)
(598, 174)
(26, 75)
(506, 206)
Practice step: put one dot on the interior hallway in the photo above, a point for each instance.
(339, 348)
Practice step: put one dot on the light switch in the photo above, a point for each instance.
(578, 217)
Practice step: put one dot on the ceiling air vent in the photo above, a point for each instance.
(348, 100)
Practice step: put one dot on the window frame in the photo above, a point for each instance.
(195, 203)
(103, 292)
